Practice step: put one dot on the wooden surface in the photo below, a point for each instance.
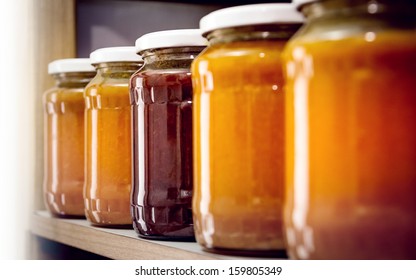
(115, 243)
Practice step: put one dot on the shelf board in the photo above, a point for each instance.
(211, 2)
(115, 243)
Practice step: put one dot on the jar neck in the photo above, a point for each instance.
(282, 31)
(178, 57)
(399, 12)
(121, 70)
(73, 80)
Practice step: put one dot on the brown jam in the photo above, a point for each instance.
(162, 154)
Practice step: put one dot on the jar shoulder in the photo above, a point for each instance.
(353, 29)
(236, 50)
(58, 94)
(106, 86)
(160, 77)
(349, 42)
(240, 57)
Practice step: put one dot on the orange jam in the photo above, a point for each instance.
(351, 146)
(108, 145)
(238, 128)
(108, 155)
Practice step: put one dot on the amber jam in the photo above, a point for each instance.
(350, 132)
(64, 137)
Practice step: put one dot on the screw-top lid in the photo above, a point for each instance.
(255, 14)
(68, 65)
(171, 38)
(115, 54)
(299, 3)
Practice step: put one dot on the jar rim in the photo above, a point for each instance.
(170, 39)
(299, 3)
(70, 65)
(115, 54)
(254, 14)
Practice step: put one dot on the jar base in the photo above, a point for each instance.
(68, 216)
(128, 226)
(279, 254)
(179, 230)
(168, 238)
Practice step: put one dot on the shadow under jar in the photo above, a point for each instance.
(108, 137)
(350, 131)
(161, 99)
(239, 129)
(64, 137)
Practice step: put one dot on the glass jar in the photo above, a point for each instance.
(350, 131)
(239, 129)
(161, 99)
(108, 137)
(64, 137)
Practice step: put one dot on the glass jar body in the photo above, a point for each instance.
(350, 137)
(108, 145)
(161, 100)
(64, 145)
(238, 141)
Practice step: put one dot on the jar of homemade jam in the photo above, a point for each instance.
(350, 131)
(64, 137)
(161, 100)
(108, 137)
(239, 129)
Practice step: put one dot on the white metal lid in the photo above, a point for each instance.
(68, 65)
(171, 38)
(299, 3)
(115, 54)
(254, 14)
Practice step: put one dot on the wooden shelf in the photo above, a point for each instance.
(115, 243)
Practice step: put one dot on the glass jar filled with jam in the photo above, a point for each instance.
(350, 131)
(161, 100)
(108, 137)
(239, 128)
(64, 136)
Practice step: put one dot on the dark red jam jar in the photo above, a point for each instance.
(161, 103)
